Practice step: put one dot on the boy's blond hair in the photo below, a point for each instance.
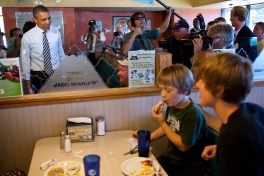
(229, 71)
(177, 76)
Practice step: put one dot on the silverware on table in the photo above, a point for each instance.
(134, 148)
(156, 172)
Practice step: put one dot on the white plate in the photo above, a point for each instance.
(135, 164)
(62, 163)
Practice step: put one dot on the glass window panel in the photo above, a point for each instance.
(256, 15)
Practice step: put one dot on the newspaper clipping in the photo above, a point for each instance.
(141, 68)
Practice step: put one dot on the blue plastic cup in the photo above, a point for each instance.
(143, 143)
(92, 165)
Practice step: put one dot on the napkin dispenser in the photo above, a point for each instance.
(80, 129)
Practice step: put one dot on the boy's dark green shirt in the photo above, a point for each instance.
(190, 124)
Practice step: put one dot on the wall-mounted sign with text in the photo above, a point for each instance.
(141, 68)
(74, 74)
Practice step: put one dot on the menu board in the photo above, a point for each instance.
(141, 66)
(56, 20)
(10, 80)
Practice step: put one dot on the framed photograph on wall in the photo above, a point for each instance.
(120, 21)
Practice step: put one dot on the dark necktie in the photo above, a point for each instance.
(46, 55)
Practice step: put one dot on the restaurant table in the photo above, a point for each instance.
(109, 147)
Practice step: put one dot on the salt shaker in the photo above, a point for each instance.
(67, 143)
(100, 126)
(62, 140)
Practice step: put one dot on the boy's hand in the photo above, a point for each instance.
(209, 152)
(134, 134)
(159, 117)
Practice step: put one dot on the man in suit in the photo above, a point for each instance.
(243, 35)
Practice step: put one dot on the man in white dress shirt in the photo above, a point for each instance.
(32, 50)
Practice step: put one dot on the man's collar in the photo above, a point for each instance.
(41, 30)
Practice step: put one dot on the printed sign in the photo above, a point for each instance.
(10, 80)
(141, 68)
(73, 74)
(224, 50)
(258, 67)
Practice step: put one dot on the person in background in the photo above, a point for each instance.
(183, 124)
(243, 34)
(220, 19)
(93, 39)
(225, 81)
(2, 51)
(2, 44)
(129, 26)
(27, 26)
(259, 33)
(11, 33)
(221, 36)
(180, 54)
(33, 53)
(118, 37)
(123, 73)
(209, 24)
(14, 43)
(140, 38)
(196, 25)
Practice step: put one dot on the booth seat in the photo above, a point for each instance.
(108, 73)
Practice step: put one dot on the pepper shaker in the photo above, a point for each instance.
(67, 143)
(62, 140)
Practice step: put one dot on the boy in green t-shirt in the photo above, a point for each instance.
(183, 124)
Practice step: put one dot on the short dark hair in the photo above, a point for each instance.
(133, 17)
(28, 25)
(220, 19)
(210, 23)
(261, 24)
(39, 8)
(11, 31)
